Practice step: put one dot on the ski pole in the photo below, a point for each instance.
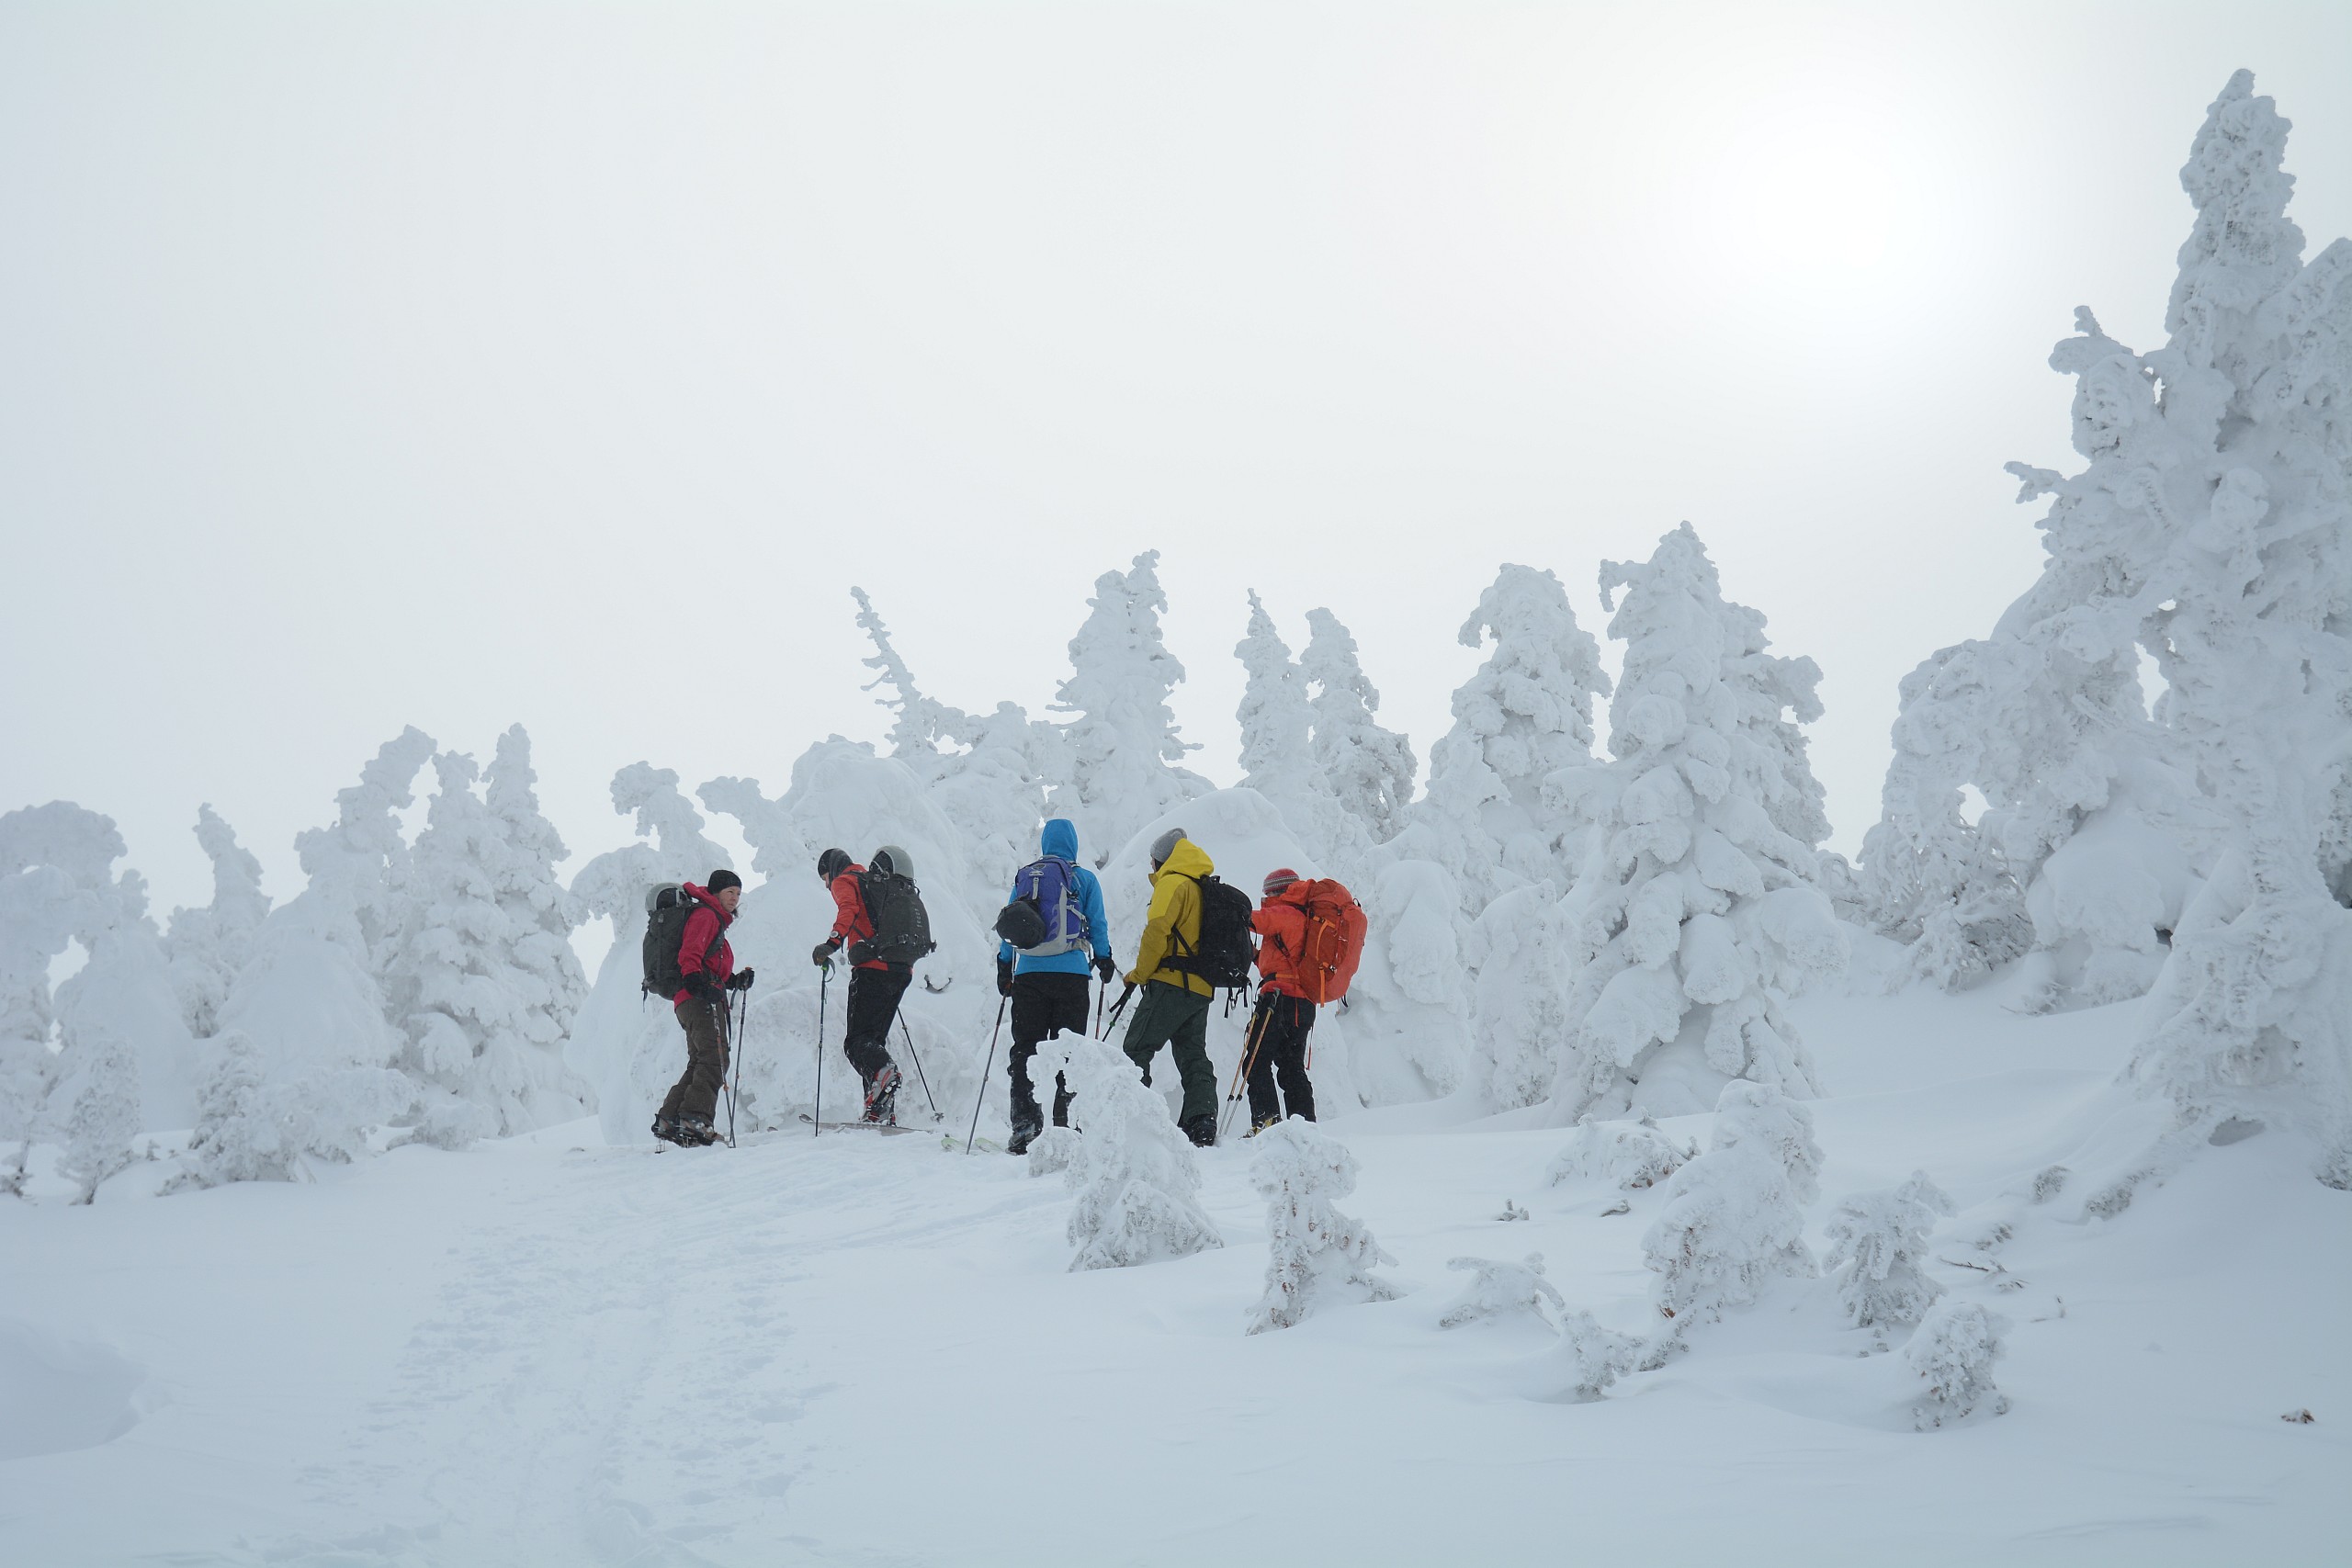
(982, 1097)
(1241, 1068)
(910, 1034)
(724, 1016)
(1101, 992)
(1116, 1009)
(735, 1040)
(816, 1120)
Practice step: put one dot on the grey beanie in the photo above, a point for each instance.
(1165, 845)
(894, 860)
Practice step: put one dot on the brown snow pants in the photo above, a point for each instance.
(695, 1096)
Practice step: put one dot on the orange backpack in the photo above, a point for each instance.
(1333, 945)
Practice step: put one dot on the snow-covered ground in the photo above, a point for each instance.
(857, 1350)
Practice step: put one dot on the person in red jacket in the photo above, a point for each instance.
(875, 988)
(707, 964)
(1285, 1017)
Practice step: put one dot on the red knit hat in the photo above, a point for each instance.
(1278, 879)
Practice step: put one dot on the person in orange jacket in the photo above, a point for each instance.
(1283, 1018)
(875, 986)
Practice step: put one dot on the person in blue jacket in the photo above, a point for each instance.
(1047, 982)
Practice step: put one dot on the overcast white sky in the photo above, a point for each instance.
(367, 365)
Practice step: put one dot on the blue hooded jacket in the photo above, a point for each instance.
(1061, 839)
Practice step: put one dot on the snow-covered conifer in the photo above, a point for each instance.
(1695, 917)
(1408, 1011)
(1877, 1242)
(358, 867)
(1320, 1256)
(1135, 1177)
(1278, 757)
(37, 921)
(1500, 1288)
(1953, 1352)
(1523, 718)
(483, 988)
(1590, 1357)
(920, 722)
(1628, 1154)
(208, 946)
(105, 1118)
(1369, 769)
(614, 883)
(241, 1133)
(1520, 953)
(1734, 1218)
(1125, 756)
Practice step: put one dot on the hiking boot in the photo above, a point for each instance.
(882, 1097)
(1024, 1135)
(666, 1130)
(696, 1134)
(1201, 1130)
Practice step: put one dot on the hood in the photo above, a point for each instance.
(1188, 859)
(1060, 838)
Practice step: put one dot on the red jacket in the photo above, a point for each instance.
(710, 919)
(851, 922)
(1281, 922)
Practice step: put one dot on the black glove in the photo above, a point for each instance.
(702, 987)
(859, 952)
(740, 981)
(1106, 967)
(1005, 977)
(823, 954)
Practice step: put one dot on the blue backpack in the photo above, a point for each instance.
(1048, 887)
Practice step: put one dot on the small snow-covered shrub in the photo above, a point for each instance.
(1501, 1289)
(1735, 1216)
(1877, 1242)
(1051, 1151)
(1591, 1357)
(1136, 1176)
(1632, 1154)
(1953, 1352)
(106, 1113)
(1319, 1254)
(242, 1131)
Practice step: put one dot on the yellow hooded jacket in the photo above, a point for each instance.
(1173, 926)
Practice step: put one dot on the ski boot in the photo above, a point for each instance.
(882, 1097)
(695, 1133)
(667, 1131)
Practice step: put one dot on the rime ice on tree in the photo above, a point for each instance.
(1320, 1257)
(208, 946)
(1125, 757)
(1278, 755)
(1136, 1176)
(1630, 1155)
(1735, 1216)
(1695, 916)
(1877, 1242)
(1953, 1352)
(1369, 769)
(1500, 1288)
(105, 1118)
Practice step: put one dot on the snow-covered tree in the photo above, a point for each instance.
(1931, 878)
(1521, 719)
(208, 946)
(358, 867)
(1500, 1288)
(484, 982)
(1408, 1011)
(1125, 756)
(1734, 1218)
(1953, 1352)
(241, 1133)
(1695, 917)
(2250, 491)
(1320, 1256)
(1589, 1358)
(1627, 1155)
(614, 883)
(1369, 769)
(105, 1117)
(1135, 1177)
(1520, 952)
(1278, 754)
(1877, 1242)
(37, 921)
(920, 722)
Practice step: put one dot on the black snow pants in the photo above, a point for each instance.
(873, 1004)
(1282, 1025)
(1045, 1003)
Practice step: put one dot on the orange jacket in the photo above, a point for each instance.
(852, 924)
(1281, 925)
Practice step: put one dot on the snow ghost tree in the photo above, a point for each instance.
(1505, 1290)
(1954, 1352)
(1368, 768)
(1696, 916)
(1735, 1216)
(1320, 1257)
(1124, 751)
(1136, 1176)
(2249, 492)
(484, 982)
(1627, 1155)
(37, 919)
(208, 946)
(358, 868)
(1525, 717)
(1931, 878)
(1278, 756)
(1877, 1242)
(239, 1134)
(105, 1118)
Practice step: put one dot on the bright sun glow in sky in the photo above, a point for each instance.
(369, 366)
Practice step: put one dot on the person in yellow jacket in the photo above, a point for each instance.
(1173, 1009)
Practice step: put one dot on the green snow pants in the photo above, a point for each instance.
(1171, 1015)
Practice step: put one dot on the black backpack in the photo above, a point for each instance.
(666, 909)
(901, 925)
(1226, 952)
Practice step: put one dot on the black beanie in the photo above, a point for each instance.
(832, 863)
(721, 881)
